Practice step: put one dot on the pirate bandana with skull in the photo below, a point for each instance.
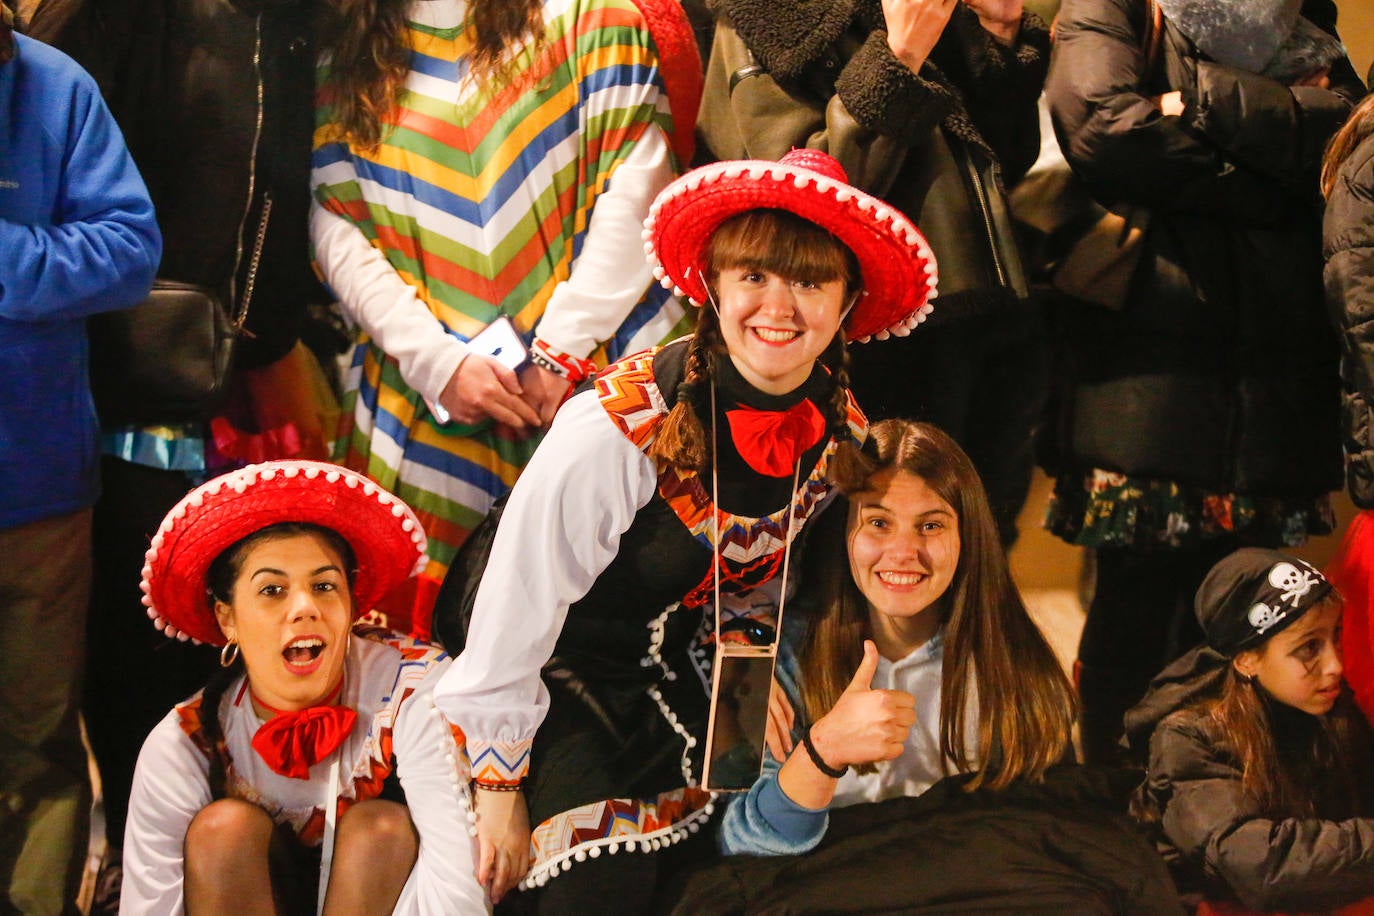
(1252, 594)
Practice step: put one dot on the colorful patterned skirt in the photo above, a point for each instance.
(1108, 509)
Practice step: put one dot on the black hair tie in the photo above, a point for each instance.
(815, 756)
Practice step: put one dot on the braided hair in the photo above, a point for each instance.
(752, 239)
(681, 440)
(836, 359)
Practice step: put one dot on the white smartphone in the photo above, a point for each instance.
(501, 342)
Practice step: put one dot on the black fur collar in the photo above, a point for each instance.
(787, 36)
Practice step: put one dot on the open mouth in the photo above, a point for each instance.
(901, 579)
(303, 652)
(774, 335)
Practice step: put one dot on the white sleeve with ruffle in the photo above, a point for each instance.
(434, 776)
(560, 529)
(170, 788)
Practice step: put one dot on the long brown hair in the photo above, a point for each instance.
(782, 243)
(1293, 780)
(369, 45)
(1356, 129)
(1026, 706)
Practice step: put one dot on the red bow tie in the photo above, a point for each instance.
(292, 742)
(770, 441)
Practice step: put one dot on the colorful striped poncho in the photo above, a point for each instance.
(480, 198)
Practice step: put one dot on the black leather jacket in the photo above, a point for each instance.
(216, 101)
(940, 145)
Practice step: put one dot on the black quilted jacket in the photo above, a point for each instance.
(1348, 243)
(1221, 369)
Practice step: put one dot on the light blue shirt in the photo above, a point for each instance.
(764, 821)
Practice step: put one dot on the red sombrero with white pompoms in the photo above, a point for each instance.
(387, 539)
(898, 267)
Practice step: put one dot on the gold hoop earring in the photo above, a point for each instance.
(229, 654)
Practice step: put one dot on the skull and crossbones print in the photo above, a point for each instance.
(1262, 616)
(1293, 583)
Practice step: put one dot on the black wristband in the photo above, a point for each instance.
(821, 765)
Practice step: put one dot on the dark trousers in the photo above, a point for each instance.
(45, 790)
(982, 379)
(1141, 618)
(134, 674)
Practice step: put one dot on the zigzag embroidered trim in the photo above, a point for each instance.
(656, 627)
(500, 763)
(651, 841)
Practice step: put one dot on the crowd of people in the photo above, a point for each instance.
(609, 500)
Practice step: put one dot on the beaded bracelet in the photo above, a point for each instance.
(497, 786)
(815, 756)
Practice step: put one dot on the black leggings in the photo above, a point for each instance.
(1141, 619)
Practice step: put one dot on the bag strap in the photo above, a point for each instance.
(250, 281)
(241, 307)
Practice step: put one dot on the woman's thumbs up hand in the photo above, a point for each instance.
(865, 725)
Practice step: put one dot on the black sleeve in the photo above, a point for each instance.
(1000, 84)
(1241, 152)
(1348, 244)
(1270, 864)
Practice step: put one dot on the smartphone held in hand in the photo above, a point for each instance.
(501, 341)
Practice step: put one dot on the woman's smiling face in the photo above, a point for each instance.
(775, 328)
(903, 553)
(290, 611)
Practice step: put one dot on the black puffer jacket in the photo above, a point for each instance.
(1220, 846)
(938, 145)
(1348, 243)
(1221, 369)
(188, 81)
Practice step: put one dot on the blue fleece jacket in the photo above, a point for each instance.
(77, 236)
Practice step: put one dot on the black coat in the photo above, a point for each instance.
(1059, 847)
(1348, 243)
(188, 81)
(1221, 369)
(1217, 841)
